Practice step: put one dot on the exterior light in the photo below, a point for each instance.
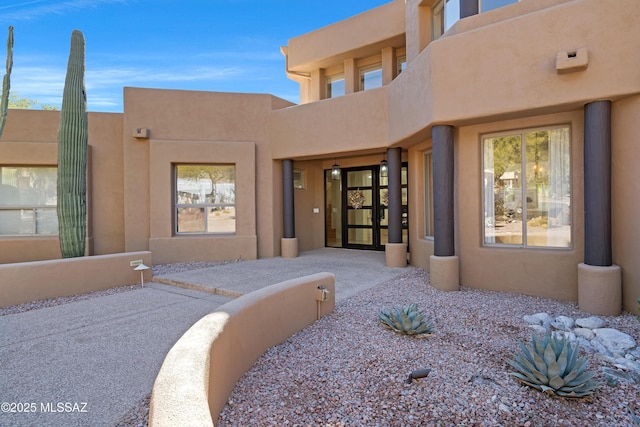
(335, 171)
(384, 168)
(141, 268)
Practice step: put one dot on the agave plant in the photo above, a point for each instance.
(552, 365)
(408, 320)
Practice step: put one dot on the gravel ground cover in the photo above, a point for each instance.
(347, 370)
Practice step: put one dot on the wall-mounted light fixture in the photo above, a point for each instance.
(384, 167)
(335, 171)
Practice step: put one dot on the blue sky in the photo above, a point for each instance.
(216, 45)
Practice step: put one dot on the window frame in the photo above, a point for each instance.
(369, 69)
(401, 64)
(481, 5)
(523, 190)
(23, 209)
(440, 13)
(330, 80)
(298, 179)
(204, 206)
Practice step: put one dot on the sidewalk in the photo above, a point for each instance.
(89, 362)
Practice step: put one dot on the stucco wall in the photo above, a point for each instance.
(310, 225)
(168, 247)
(203, 367)
(338, 125)
(191, 120)
(625, 197)
(30, 281)
(358, 36)
(30, 138)
(551, 273)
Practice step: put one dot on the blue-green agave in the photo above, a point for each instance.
(408, 320)
(550, 364)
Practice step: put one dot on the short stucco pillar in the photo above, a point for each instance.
(599, 280)
(444, 272)
(289, 247)
(600, 290)
(396, 254)
(289, 243)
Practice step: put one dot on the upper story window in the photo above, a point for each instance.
(527, 188)
(205, 199)
(28, 200)
(371, 77)
(335, 86)
(487, 5)
(444, 14)
(401, 64)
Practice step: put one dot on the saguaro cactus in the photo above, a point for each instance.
(6, 81)
(72, 155)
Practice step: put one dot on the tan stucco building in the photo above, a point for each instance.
(476, 148)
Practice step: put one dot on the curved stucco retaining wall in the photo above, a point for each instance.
(30, 281)
(202, 368)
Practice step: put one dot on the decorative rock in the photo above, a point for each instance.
(614, 340)
(585, 344)
(613, 347)
(562, 323)
(569, 336)
(598, 347)
(542, 319)
(538, 329)
(590, 322)
(621, 375)
(627, 365)
(584, 333)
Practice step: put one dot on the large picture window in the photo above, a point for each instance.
(28, 200)
(205, 199)
(527, 188)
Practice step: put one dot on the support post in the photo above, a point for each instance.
(444, 264)
(599, 280)
(395, 249)
(289, 243)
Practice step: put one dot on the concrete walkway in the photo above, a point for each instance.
(89, 362)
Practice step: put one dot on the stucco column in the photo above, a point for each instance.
(395, 249)
(468, 8)
(599, 280)
(289, 243)
(444, 264)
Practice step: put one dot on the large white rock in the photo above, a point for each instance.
(590, 322)
(615, 341)
(563, 323)
(584, 333)
(538, 329)
(542, 319)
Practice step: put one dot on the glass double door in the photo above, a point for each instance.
(356, 208)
